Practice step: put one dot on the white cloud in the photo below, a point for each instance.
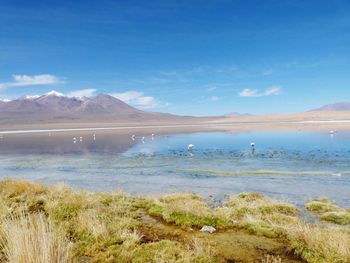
(274, 90)
(25, 80)
(82, 93)
(214, 98)
(137, 99)
(249, 93)
(31, 97)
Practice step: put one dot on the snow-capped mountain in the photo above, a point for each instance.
(55, 106)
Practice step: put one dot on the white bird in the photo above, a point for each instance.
(143, 139)
(190, 147)
(133, 137)
(94, 137)
(80, 139)
(252, 144)
(152, 136)
(74, 140)
(331, 132)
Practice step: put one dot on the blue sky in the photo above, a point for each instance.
(193, 57)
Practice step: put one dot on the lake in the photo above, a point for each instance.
(293, 166)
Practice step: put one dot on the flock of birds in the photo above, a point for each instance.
(80, 139)
(190, 147)
(133, 137)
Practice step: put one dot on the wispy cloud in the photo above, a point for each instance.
(214, 98)
(274, 90)
(211, 88)
(267, 72)
(25, 80)
(138, 99)
(82, 93)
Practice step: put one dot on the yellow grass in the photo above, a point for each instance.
(316, 244)
(59, 224)
(33, 239)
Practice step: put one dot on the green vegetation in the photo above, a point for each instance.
(58, 224)
(186, 210)
(329, 211)
(258, 172)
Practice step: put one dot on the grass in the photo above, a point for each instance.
(185, 210)
(100, 227)
(260, 215)
(316, 244)
(328, 211)
(33, 239)
(59, 224)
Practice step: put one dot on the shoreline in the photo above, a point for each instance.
(312, 125)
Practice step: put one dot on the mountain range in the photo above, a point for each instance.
(55, 107)
(339, 106)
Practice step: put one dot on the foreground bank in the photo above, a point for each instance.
(59, 224)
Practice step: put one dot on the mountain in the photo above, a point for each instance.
(339, 106)
(54, 107)
(237, 114)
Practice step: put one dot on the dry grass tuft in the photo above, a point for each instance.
(315, 244)
(321, 205)
(33, 239)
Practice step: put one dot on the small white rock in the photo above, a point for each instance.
(209, 229)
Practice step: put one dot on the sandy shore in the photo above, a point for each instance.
(310, 121)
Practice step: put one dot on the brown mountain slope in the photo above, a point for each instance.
(56, 108)
(339, 106)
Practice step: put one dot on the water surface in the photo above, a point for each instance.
(293, 166)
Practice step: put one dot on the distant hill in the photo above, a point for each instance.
(55, 107)
(339, 106)
(237, 114)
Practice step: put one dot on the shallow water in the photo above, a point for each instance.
(290, 166)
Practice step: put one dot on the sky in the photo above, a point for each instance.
(190, 57)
